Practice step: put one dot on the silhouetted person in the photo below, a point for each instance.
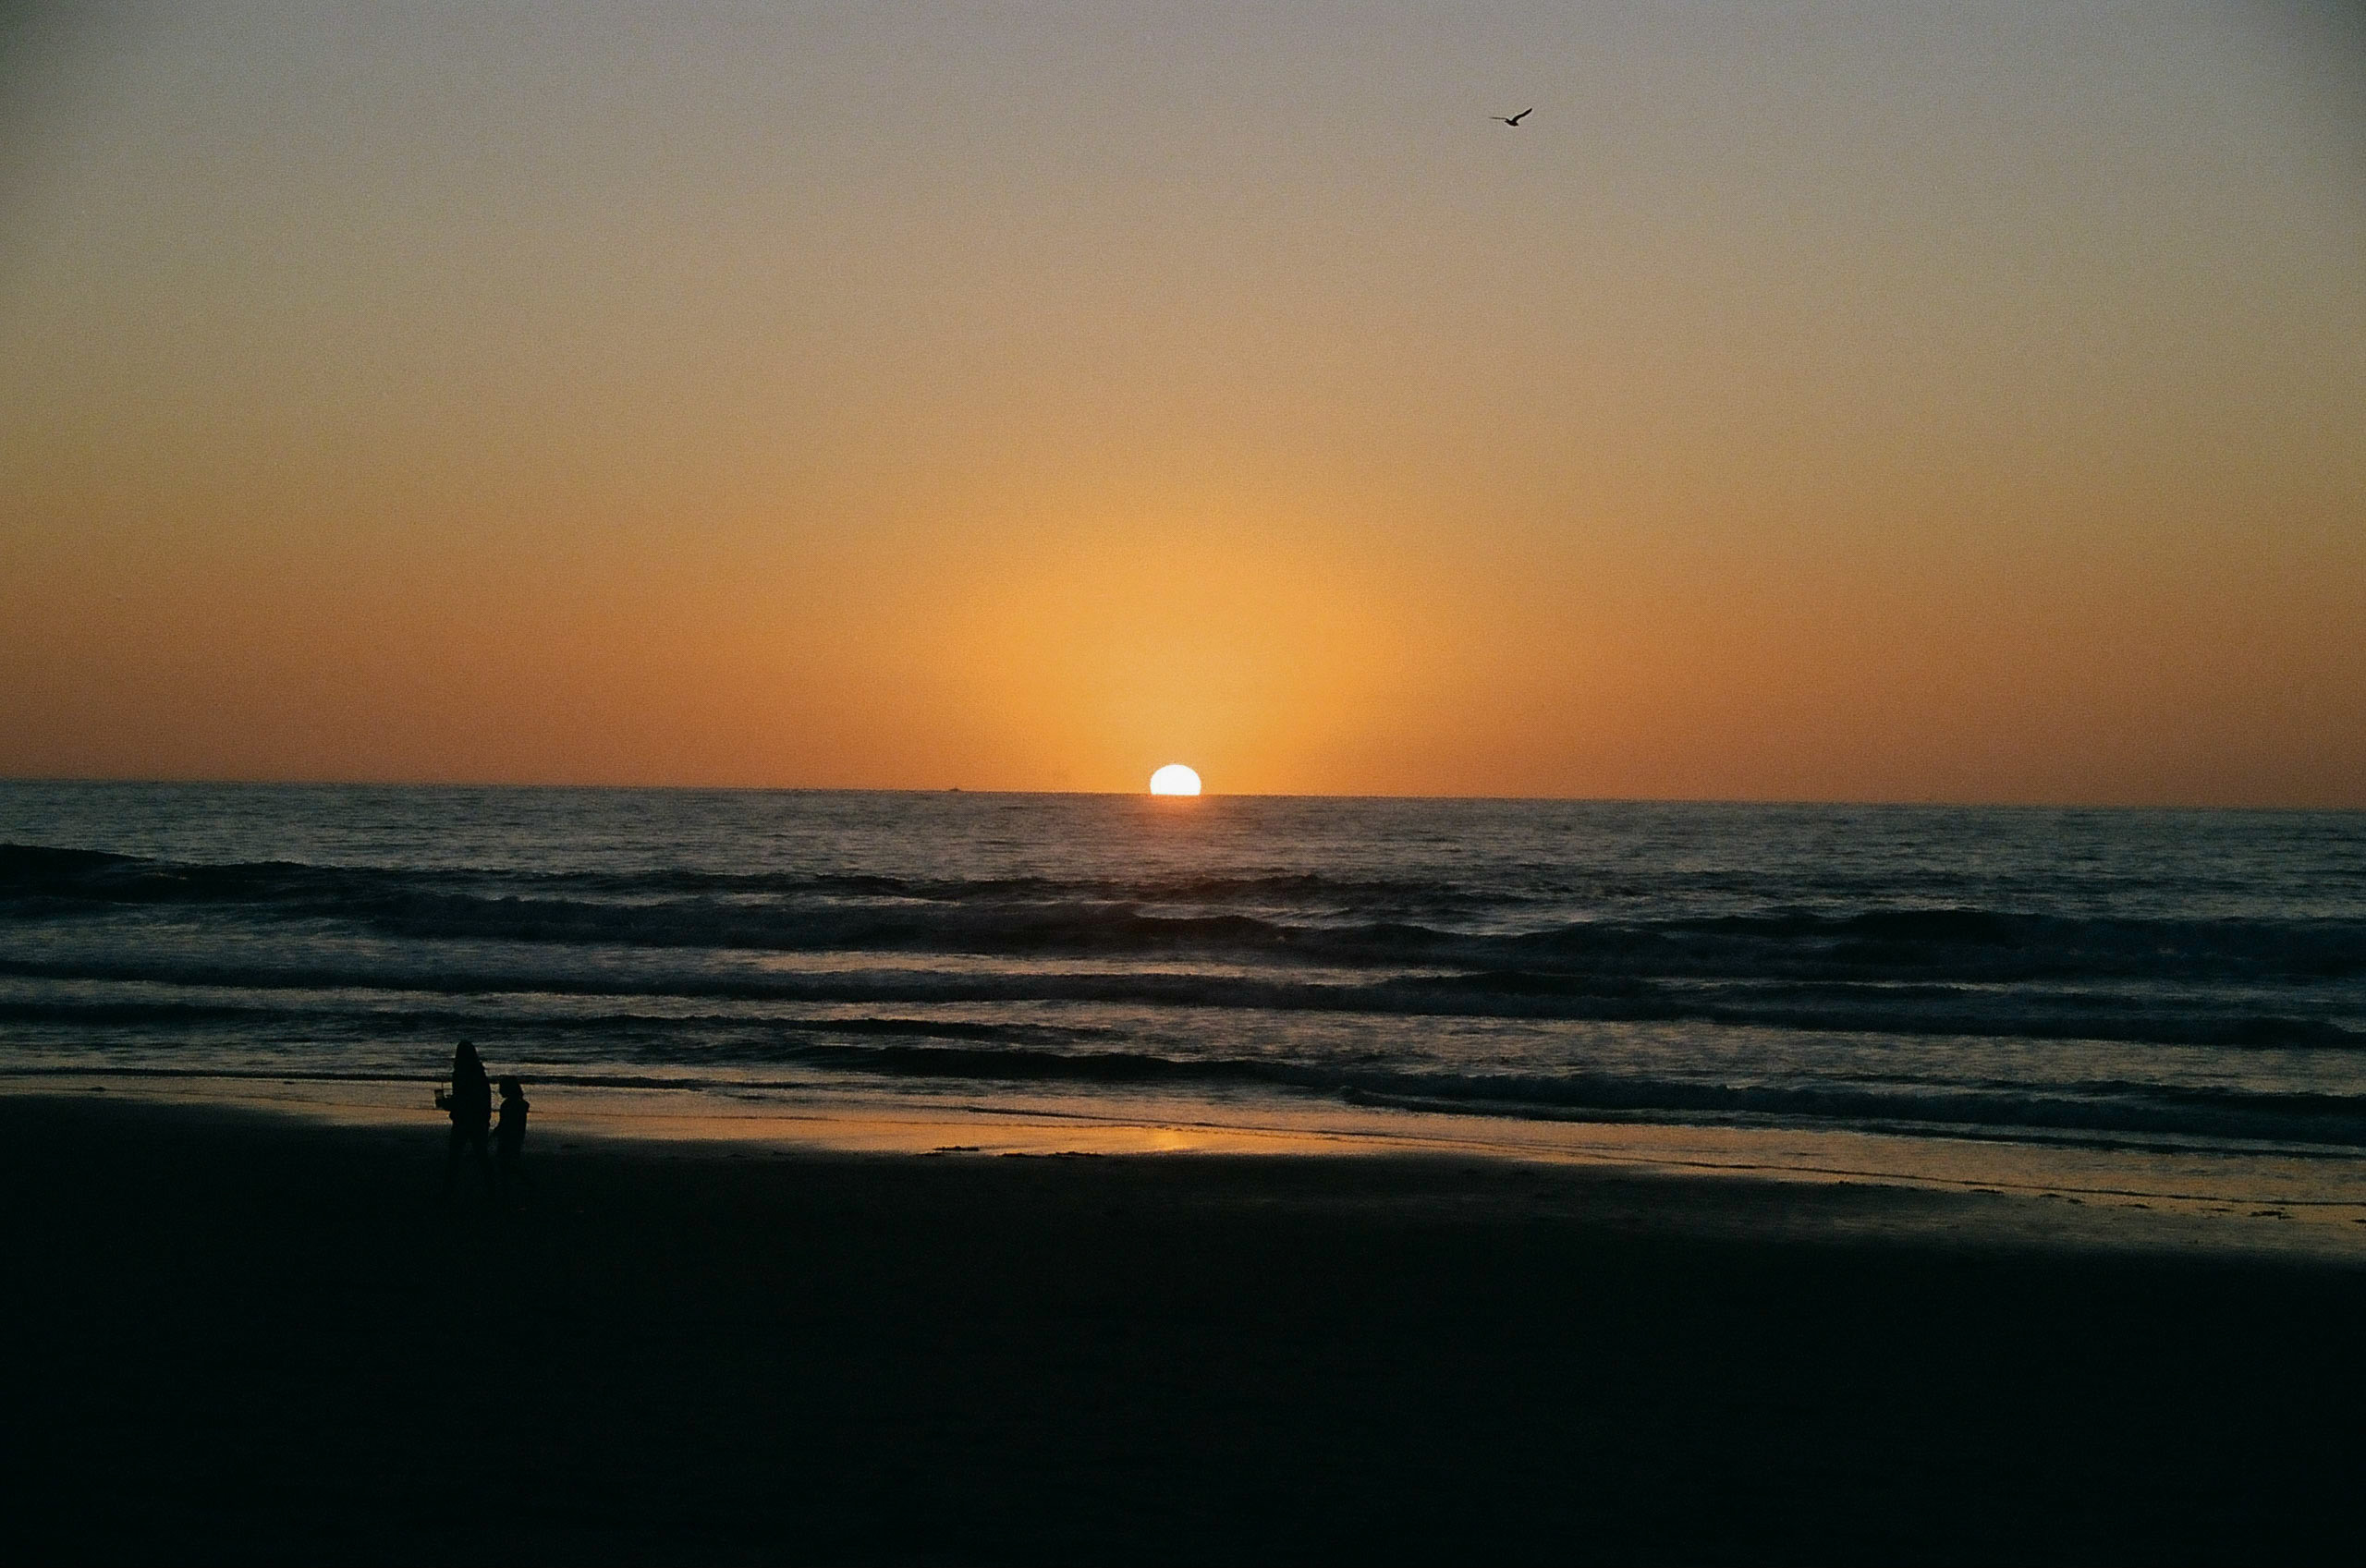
(472, 1108)
(509, 1136)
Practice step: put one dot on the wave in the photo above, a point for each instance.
(2115, 1108)
(1280, 921)
(1920, 1012)
(345, 1017)
(99, 876)
(2098, 1111)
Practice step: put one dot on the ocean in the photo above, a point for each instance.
(2149, 1004)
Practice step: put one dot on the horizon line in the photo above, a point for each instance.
(1924, 803)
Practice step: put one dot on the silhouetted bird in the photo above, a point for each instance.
(1513, 120)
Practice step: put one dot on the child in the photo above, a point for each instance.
(509, 1133)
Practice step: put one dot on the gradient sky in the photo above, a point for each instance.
(1938, 401)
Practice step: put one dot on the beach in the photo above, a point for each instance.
(1267, 785)
(263, 1338)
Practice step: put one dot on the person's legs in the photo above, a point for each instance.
(473, 1138)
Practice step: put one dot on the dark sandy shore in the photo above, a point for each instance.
(244, 1339)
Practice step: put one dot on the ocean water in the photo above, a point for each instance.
(2142, 985)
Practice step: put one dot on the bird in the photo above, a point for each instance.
(1513, 120)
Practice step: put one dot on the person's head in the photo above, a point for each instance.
(465, 1059)
(512, 1090)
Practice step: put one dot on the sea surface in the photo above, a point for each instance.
(2172, 994)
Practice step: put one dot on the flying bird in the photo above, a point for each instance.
(1513, 120)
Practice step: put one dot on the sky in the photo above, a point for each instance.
(1957, 402)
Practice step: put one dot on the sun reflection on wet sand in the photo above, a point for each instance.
(2069, 1194)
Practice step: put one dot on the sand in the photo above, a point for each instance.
(242, 1337)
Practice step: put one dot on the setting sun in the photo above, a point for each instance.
(1174, 779)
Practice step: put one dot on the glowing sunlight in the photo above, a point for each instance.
(1174, 779)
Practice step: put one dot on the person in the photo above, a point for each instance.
(470, 1104)
(509, 1136)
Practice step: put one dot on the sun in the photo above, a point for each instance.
(1174, 779)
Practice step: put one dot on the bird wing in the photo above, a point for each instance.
(1521, 116)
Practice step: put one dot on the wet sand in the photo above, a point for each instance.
(240, 1337)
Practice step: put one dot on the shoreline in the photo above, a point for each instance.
(264, 1339)
(2067, 1195)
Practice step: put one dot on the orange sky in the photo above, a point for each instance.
(1889, 402)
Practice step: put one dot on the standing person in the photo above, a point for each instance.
(472, 1108)
(509, 1134)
